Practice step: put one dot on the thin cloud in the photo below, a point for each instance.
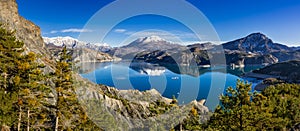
(71, 30)
(53, 32)
(120, 30)
(167, 35)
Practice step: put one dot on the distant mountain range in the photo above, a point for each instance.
(74, 43)
(82, 51)
(255, 48)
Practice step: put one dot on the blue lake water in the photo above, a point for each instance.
(185, 83)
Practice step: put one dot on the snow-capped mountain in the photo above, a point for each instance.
(150, 39)
(152, 43)
(75, 43)
(148, 44)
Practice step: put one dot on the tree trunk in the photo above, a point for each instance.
(19, 119)
(5, 77)
(56, 123)
(28, 117)
(180, 126)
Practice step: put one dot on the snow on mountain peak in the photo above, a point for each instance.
(60, 41)
(150, 39)
(72, 42)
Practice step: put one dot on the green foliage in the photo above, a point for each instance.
(65, 91)
(288, 70)
(193, 121)
(69, 113)
(276, 108)
(22, 84)
(159, 107)
(285, 100)
(10, 53)
(25, 101)
(7, 110)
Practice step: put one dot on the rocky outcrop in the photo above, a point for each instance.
(240, 59)
(26, 31)
(202, 46)
(89, 55)
(286, 56)
(132, 109)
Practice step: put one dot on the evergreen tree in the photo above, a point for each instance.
(10, 52)
(242, 110)
(69, 114)
(33, 91)
(285, 100)
(7, 110)
(22, 86)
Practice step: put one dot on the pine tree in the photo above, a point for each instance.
(33, 91)
(7, 110)
(242, 110)
(10, 52)
(22, 86)
(69, 113)
(285, 100)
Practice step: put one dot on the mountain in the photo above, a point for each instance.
(25, 30)
(82, 51)
(240, 59)
(149, 44)
(202, 46)
(257, 43)
(297, 48)
(286, 56)
(289, 70)
(254, 49)
(74, 43)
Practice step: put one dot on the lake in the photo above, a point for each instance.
(186, 83)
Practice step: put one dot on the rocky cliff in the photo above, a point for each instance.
(26, 31)
(113, 109)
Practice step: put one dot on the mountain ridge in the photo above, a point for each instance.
(255, 42)
(71, 42)
(148, 44)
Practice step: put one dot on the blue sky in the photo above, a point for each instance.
(278, 19)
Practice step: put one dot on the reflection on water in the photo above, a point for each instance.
(148, 69)
(186, 83)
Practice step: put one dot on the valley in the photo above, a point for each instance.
(50, 81)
